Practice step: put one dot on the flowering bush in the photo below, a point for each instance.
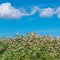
(30, 47)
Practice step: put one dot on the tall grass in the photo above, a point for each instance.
(30, 47)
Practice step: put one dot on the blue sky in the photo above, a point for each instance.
(22, 16)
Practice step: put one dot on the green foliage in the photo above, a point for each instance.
(30, 47)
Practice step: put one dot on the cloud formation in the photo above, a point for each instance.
(34, 10)
(47, 12)
(8, 11)
(58, 12)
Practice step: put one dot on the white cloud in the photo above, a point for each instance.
(58, 12)
(46, 12)
(8, 11)
(34, 10)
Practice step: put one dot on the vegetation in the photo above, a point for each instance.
(30, 47)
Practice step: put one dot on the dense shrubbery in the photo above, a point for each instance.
(30, 47)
